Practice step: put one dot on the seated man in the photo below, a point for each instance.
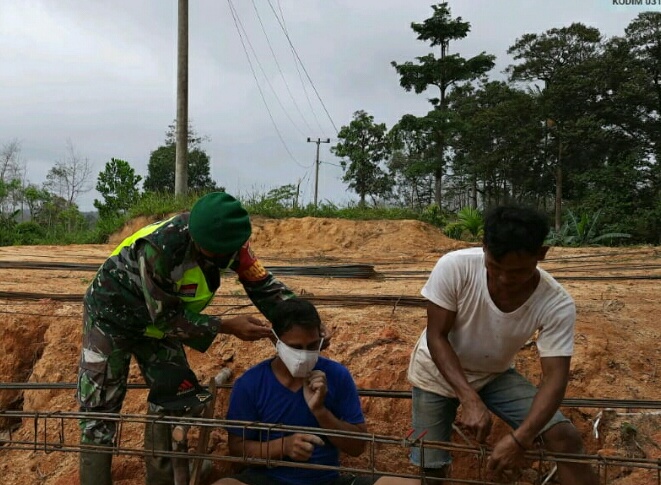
(297, 388)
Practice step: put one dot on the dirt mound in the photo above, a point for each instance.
(319, 237)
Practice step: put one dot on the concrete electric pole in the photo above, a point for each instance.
(318, 141)
(181, 162)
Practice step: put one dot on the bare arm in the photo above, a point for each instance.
(547, 401)
(350, 446)
(314, 391)
(475, 415)
(297, 446)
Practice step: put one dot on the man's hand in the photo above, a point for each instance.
(299, 446)
(314, 390)
(506, 456)
(476, 418)
(246, 327)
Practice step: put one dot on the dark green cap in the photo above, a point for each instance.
(219, 223)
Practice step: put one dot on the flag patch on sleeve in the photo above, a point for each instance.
(188, 290)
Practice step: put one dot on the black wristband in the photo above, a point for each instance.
(517, 441)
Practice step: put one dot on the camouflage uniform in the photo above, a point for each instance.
(136, 305)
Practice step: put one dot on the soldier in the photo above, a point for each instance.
(146, 301)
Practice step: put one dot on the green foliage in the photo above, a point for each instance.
(29, 233)
(36, 199)
(469, 225)
(118, 184)
(432, 214)
(583, 231)
(365, 144)
(161, 170)
(160, 204)
(443, 72)
(7, 228)
(162, 165)
(105, 227)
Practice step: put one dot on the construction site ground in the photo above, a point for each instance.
(617, 351)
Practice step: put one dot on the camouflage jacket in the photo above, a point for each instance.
(123, 299)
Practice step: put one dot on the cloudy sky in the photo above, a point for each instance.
(102, 74)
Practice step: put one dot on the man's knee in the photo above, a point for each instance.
(563, 438)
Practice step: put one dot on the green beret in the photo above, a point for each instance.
(219, 223)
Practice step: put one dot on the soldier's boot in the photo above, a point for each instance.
(158, 437)
(95, 468)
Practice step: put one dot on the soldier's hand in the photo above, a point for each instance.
(246, 327)
(327, 334)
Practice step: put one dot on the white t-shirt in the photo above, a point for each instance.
(484, 338)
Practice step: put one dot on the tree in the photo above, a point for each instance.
(412, 161)
(69, 177)
(560, 58)
(10, 175)
(162, 164)
(443, 72)
(36, 199)
(496, 145)
(118, 184)
(365, 144)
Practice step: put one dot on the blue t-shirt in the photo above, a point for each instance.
(258, 396)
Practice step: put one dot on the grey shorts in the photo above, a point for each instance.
(509, 396)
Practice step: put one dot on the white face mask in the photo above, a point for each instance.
(299, 362)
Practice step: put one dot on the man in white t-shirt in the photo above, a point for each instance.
(484, 304)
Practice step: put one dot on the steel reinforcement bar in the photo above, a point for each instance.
(384, 393)
(49, 433)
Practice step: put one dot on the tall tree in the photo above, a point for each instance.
(643, 36)
(497, 152)
(559, 58)
(443, 72)
(118, 184)
(162, 161)
(412, 161)
(10, 175)
(363, 146)
(70, 176)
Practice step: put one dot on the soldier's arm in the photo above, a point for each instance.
(166, 309)
(263, 289)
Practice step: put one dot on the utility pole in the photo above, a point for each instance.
(318, 141)
(181, 154)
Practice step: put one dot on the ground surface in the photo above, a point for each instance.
(617, 340)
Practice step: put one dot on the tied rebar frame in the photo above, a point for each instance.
(49, 434)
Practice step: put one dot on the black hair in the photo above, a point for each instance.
(514, 228)
(294, 312)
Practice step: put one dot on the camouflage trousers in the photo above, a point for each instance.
(103, 373)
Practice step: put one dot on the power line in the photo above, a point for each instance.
(261, 93)
(303, 67)
(298, 70)
(266, 77)
(275, 58)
